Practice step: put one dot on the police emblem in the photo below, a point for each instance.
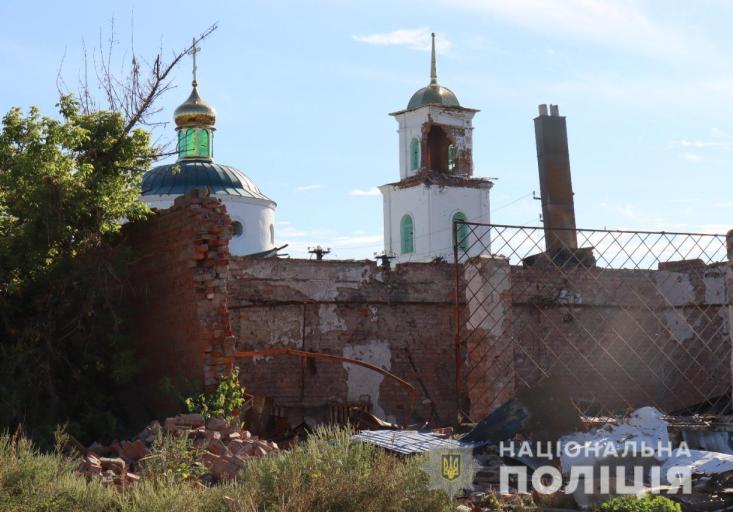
(451, 466)
(451, 470)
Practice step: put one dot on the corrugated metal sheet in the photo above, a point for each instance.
(409, 441)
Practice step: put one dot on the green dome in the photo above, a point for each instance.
(178, 178)
(433, 94)
(195, 111)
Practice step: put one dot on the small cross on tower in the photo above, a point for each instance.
(194, 51)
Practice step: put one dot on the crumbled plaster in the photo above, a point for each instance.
(329, 319)
(675, 287)
(362, 381)
(715, 289)
(678, 326)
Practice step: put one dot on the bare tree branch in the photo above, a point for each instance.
(134, 91)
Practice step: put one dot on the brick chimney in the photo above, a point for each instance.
(556, 188)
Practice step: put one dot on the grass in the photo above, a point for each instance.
(327, 473)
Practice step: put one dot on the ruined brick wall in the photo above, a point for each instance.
(401, 320)
(618, 338)
(178, 304)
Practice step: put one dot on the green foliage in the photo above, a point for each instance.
(65, 184)
(648, 503)
(226, 400)
(327, 473)
(174, 459)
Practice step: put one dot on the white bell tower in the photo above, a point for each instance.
(436, 183)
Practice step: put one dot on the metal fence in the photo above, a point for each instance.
(623, 319)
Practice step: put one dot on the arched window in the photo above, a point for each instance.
(203, 143)
(414, 154)
(237, 229)
(191, 142)
(407, 235)
(461, 231)
(272, 234)
(452, 158)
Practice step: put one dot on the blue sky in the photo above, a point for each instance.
(303, 90)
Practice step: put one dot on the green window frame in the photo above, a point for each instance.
(203, 143)
(452, 157)
(414, 154)
(461, 231)
(407, 235)
(181, 143)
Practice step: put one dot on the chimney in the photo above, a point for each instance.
(556, 188)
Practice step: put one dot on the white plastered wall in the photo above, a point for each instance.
(432, 209)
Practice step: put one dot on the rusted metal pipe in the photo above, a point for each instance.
(331, 357)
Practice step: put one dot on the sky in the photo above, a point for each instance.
(303, 91)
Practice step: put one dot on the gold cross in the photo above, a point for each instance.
(194, 51)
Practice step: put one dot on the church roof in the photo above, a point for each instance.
(186, 174)
(434, 93)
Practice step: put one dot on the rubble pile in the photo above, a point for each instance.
(222, 450)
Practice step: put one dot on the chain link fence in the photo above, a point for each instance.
(622, 319)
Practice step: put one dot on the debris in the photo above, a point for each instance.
(225, 449)
(542, 413)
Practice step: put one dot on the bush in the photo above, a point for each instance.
(648, 503)
(224, 402)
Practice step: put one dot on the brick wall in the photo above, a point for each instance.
(401, 320)
(178, 305)
(618, 338)
(634, 337)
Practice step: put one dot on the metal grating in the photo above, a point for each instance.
(626, 319)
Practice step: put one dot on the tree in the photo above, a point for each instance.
(65, 186)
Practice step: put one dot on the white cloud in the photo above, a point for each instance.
(612, 23)
(691, 157)
(703, 144)
(307, 188)
(414, 39)
(369, 192)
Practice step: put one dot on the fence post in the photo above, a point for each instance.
(729, 287)
(489, 363)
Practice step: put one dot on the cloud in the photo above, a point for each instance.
(414, 39)
(308, 188)
(618, 24)
(703, 144)
(691, 157)
(369, 192)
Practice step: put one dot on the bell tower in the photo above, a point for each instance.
(436, 184)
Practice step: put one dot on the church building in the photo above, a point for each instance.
(251, 211)
(436, 186)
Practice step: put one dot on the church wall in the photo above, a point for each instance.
(257, 219)
(432, 209)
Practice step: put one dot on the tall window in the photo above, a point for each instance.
(452, 157)
(461, 231)
(414, 154)
(407, 235)
(203, 143)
